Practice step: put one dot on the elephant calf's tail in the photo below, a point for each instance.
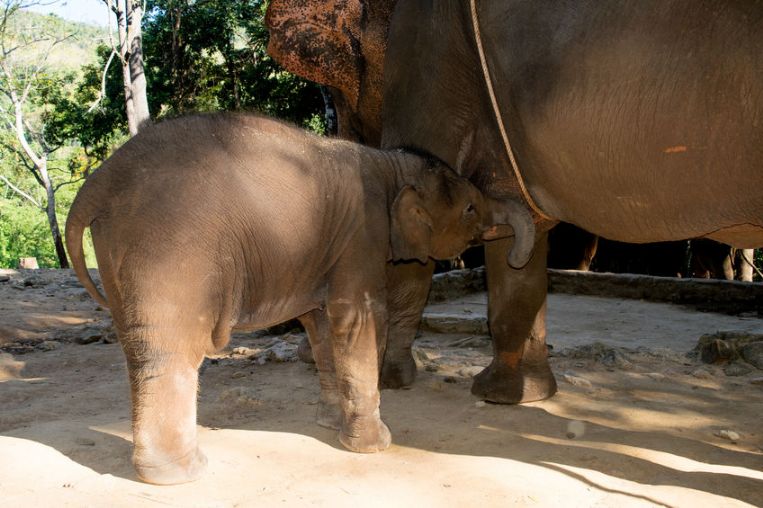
(75, 228)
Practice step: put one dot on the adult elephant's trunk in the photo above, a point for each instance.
(516, 215)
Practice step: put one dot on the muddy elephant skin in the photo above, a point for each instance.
(213, 222)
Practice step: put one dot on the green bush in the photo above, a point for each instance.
(24, 232)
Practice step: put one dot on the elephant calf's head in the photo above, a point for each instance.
(438, 217)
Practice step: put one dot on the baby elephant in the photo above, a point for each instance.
(214, 222)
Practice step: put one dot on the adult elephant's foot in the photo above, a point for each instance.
(501, 384)
(366, 435)
(398, 372)
(187, 468)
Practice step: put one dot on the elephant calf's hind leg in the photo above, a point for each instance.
(164, 387)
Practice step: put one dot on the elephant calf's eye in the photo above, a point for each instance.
(469, 210)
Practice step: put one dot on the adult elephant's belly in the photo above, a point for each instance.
(640, 132)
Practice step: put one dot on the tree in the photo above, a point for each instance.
(129, 17)
(211, 55)
(23, 57)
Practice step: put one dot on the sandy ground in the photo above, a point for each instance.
(636, 421)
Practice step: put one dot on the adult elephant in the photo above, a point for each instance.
(640, 122)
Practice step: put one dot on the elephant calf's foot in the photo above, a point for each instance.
(501, 384)
(305, 351)
(397, 374)
(183, 470)
(366, 436)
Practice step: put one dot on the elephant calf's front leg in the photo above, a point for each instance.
(408, 285)
(358, 331)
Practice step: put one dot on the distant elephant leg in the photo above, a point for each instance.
(358, 328)
(318, 329)
(519, 371)
(164, 381)
(408, 286)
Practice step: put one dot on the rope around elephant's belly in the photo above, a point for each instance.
(522, 187)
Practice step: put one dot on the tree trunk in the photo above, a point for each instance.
(332, 126)
(50, 209)
(744, 265)
(135, 63)
(129, 14)
(132, 124)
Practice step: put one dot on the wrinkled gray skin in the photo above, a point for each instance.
(209, 223)
(637, 121)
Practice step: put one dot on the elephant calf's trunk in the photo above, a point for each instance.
(516, 215)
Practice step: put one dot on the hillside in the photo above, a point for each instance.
(77, 50)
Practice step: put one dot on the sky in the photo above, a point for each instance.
(87, 11)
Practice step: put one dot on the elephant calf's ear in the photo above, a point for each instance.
(410, 227)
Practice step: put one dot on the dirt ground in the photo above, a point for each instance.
(636, 422)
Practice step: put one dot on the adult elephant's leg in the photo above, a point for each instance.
(408, 286)
(519, 371)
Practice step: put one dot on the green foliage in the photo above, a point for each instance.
(24, 232)
(211, 55)
(68, 115)
(31, 42)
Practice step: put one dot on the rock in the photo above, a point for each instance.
(89, 338)
(10, 368)
(575, 428)
(727, 434)
(240, 396)
(449, 285)
(4, 278)
(470, 342)
(480, 403)
(110, 338)
(615, 358)
(454, 323)
(237, 375)
(662, 353)
(48, 345)
(29, 263)
(244, 351)
(656, 376)
(606, 355)
(278, 352)
(470, 371)
(737, 369)
(757, 381)
(727, 346)
(753, 353)
(19, 348)
(703, 373)
(574, 380)
(83, 441)
(425, 355)
(34, 281)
